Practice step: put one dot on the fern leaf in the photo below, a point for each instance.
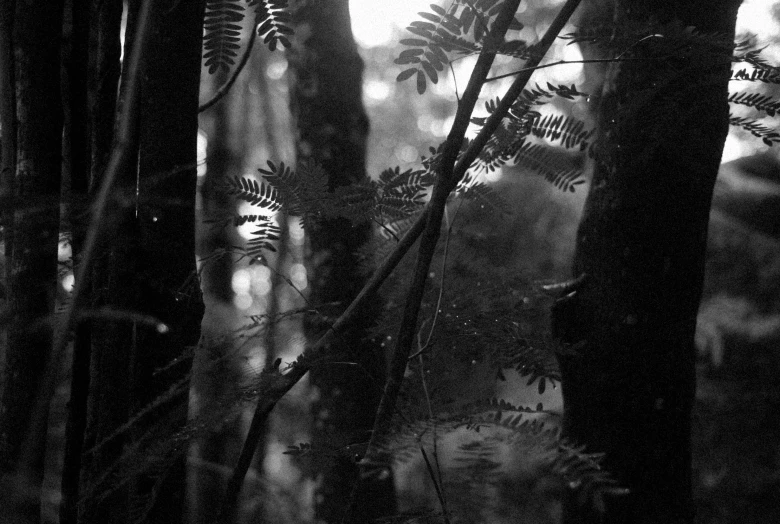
(254, 192)
(263, 237)
(757, 101)
(222, 37)
(569, 131)
(768, 135)
(272, 22)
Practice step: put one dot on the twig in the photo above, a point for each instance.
(421, 349)
(437, 478)
(436, 486)
(564, 62)
(230, 81)
(389, 231)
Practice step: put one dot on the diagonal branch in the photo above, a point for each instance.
(446, 181)
(275, 384)
(449, 176)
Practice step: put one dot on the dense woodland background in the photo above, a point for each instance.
(146, 362)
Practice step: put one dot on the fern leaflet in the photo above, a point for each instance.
(221, 41)
(272, 20)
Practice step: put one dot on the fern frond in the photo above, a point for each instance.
(263, 237)
(767, 135)
(222, 37)
(303, 191)
(569, 131)
(441, 33)
(757, 101)
(272, 22)
(756, 75)
(584, 474)
(461, 29)
(498, 412)
(508, 143)
(402, 193)
(763, 71)
(256, 193)
(542, 160)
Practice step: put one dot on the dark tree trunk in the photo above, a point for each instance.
(166, 275)
(629, 391)
(111, 339)
(77, 153)
(332, 130)
(145, 279)
(33, 62)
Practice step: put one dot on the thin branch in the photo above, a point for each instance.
(564, 62)
(436, 486)
(237, 71)
(389, 231)
(446, 182)
(422, 347)
(438, 478)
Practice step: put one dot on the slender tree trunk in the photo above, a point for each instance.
(332, 131)
(78, 159)
(111, 344)
(34, 33)
(216, 372)
(629, 391)
(221, 162)
(165, 220)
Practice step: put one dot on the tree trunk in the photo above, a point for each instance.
(217, 369)
(77, 161)
(629, 391)
(166, 275)
(33, 62)
(146, 273)
(332, 130)
(111, 339)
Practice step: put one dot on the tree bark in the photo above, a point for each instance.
(77, 154)
(111, 339)
(332, 130)
(166, 275)
(629, 391)
(145, 278)
(33, 62)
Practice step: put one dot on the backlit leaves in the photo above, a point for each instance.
(767, 135)
(460, 29)
(222, 29)
(272, 19)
